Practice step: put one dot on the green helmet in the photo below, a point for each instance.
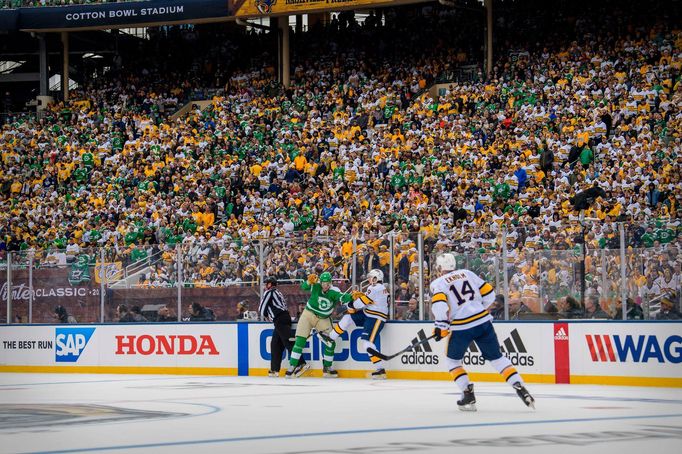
(326, 277)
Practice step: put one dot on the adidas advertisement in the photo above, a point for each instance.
(422, 353)
(529, 347)
(512, 347)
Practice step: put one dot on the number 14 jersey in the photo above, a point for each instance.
(467, 296)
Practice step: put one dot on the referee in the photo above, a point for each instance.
(274, 308)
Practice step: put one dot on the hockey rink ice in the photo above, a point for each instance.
(197, 414)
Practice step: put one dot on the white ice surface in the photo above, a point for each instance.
(313, 415)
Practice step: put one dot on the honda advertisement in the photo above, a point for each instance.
(154, 346)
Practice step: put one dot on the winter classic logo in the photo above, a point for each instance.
(512, 347)
(70, 343)
(422, 354)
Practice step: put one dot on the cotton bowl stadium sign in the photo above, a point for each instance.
(111, 15)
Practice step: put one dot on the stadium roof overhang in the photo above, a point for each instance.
(170, 12)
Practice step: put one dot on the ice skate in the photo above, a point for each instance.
(328, 372)
(524, 395)
(379, 374)
(302, 369)
(290, 373)
(297, 371)
(468, 400)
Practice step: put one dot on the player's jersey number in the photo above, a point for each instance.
(461, 295)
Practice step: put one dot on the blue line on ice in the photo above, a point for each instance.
(359, 431)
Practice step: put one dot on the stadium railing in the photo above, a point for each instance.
(535, 280)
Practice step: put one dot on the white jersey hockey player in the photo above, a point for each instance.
(370, 312)
(460, 301)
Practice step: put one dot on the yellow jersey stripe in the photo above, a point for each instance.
(473, 318)
(338, 329)
(486, 289)
(377, 324)
(440, 296)
(366, 300)
(378, 314)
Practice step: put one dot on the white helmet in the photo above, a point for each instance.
(446, 262)
(377, 274)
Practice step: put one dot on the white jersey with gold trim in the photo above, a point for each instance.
(467, 297)
(375, 302)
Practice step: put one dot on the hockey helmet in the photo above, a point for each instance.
(326, 277)
(377, 274)
(446, 262)
(270, 280)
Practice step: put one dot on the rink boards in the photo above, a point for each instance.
(614, 353)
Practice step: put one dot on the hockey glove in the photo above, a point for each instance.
(350, 307)
(441, 330)
(312, 278)
(356, 294)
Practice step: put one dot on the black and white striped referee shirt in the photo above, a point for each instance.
(272, 304)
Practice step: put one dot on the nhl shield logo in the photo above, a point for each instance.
(265, 6)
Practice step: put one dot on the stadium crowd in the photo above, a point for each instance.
(359, 148)
(37, 3)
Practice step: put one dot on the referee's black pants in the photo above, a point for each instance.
(281, 340)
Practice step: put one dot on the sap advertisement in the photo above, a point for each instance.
(164, 346)
(626, 349)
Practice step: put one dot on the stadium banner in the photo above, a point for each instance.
(348, 356)
(130, 348)
(257, 8)
(120, 14)
(636, 353)
(575, 352)
(525, 344)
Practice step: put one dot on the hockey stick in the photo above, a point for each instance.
(313, 331)
(383, 357)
